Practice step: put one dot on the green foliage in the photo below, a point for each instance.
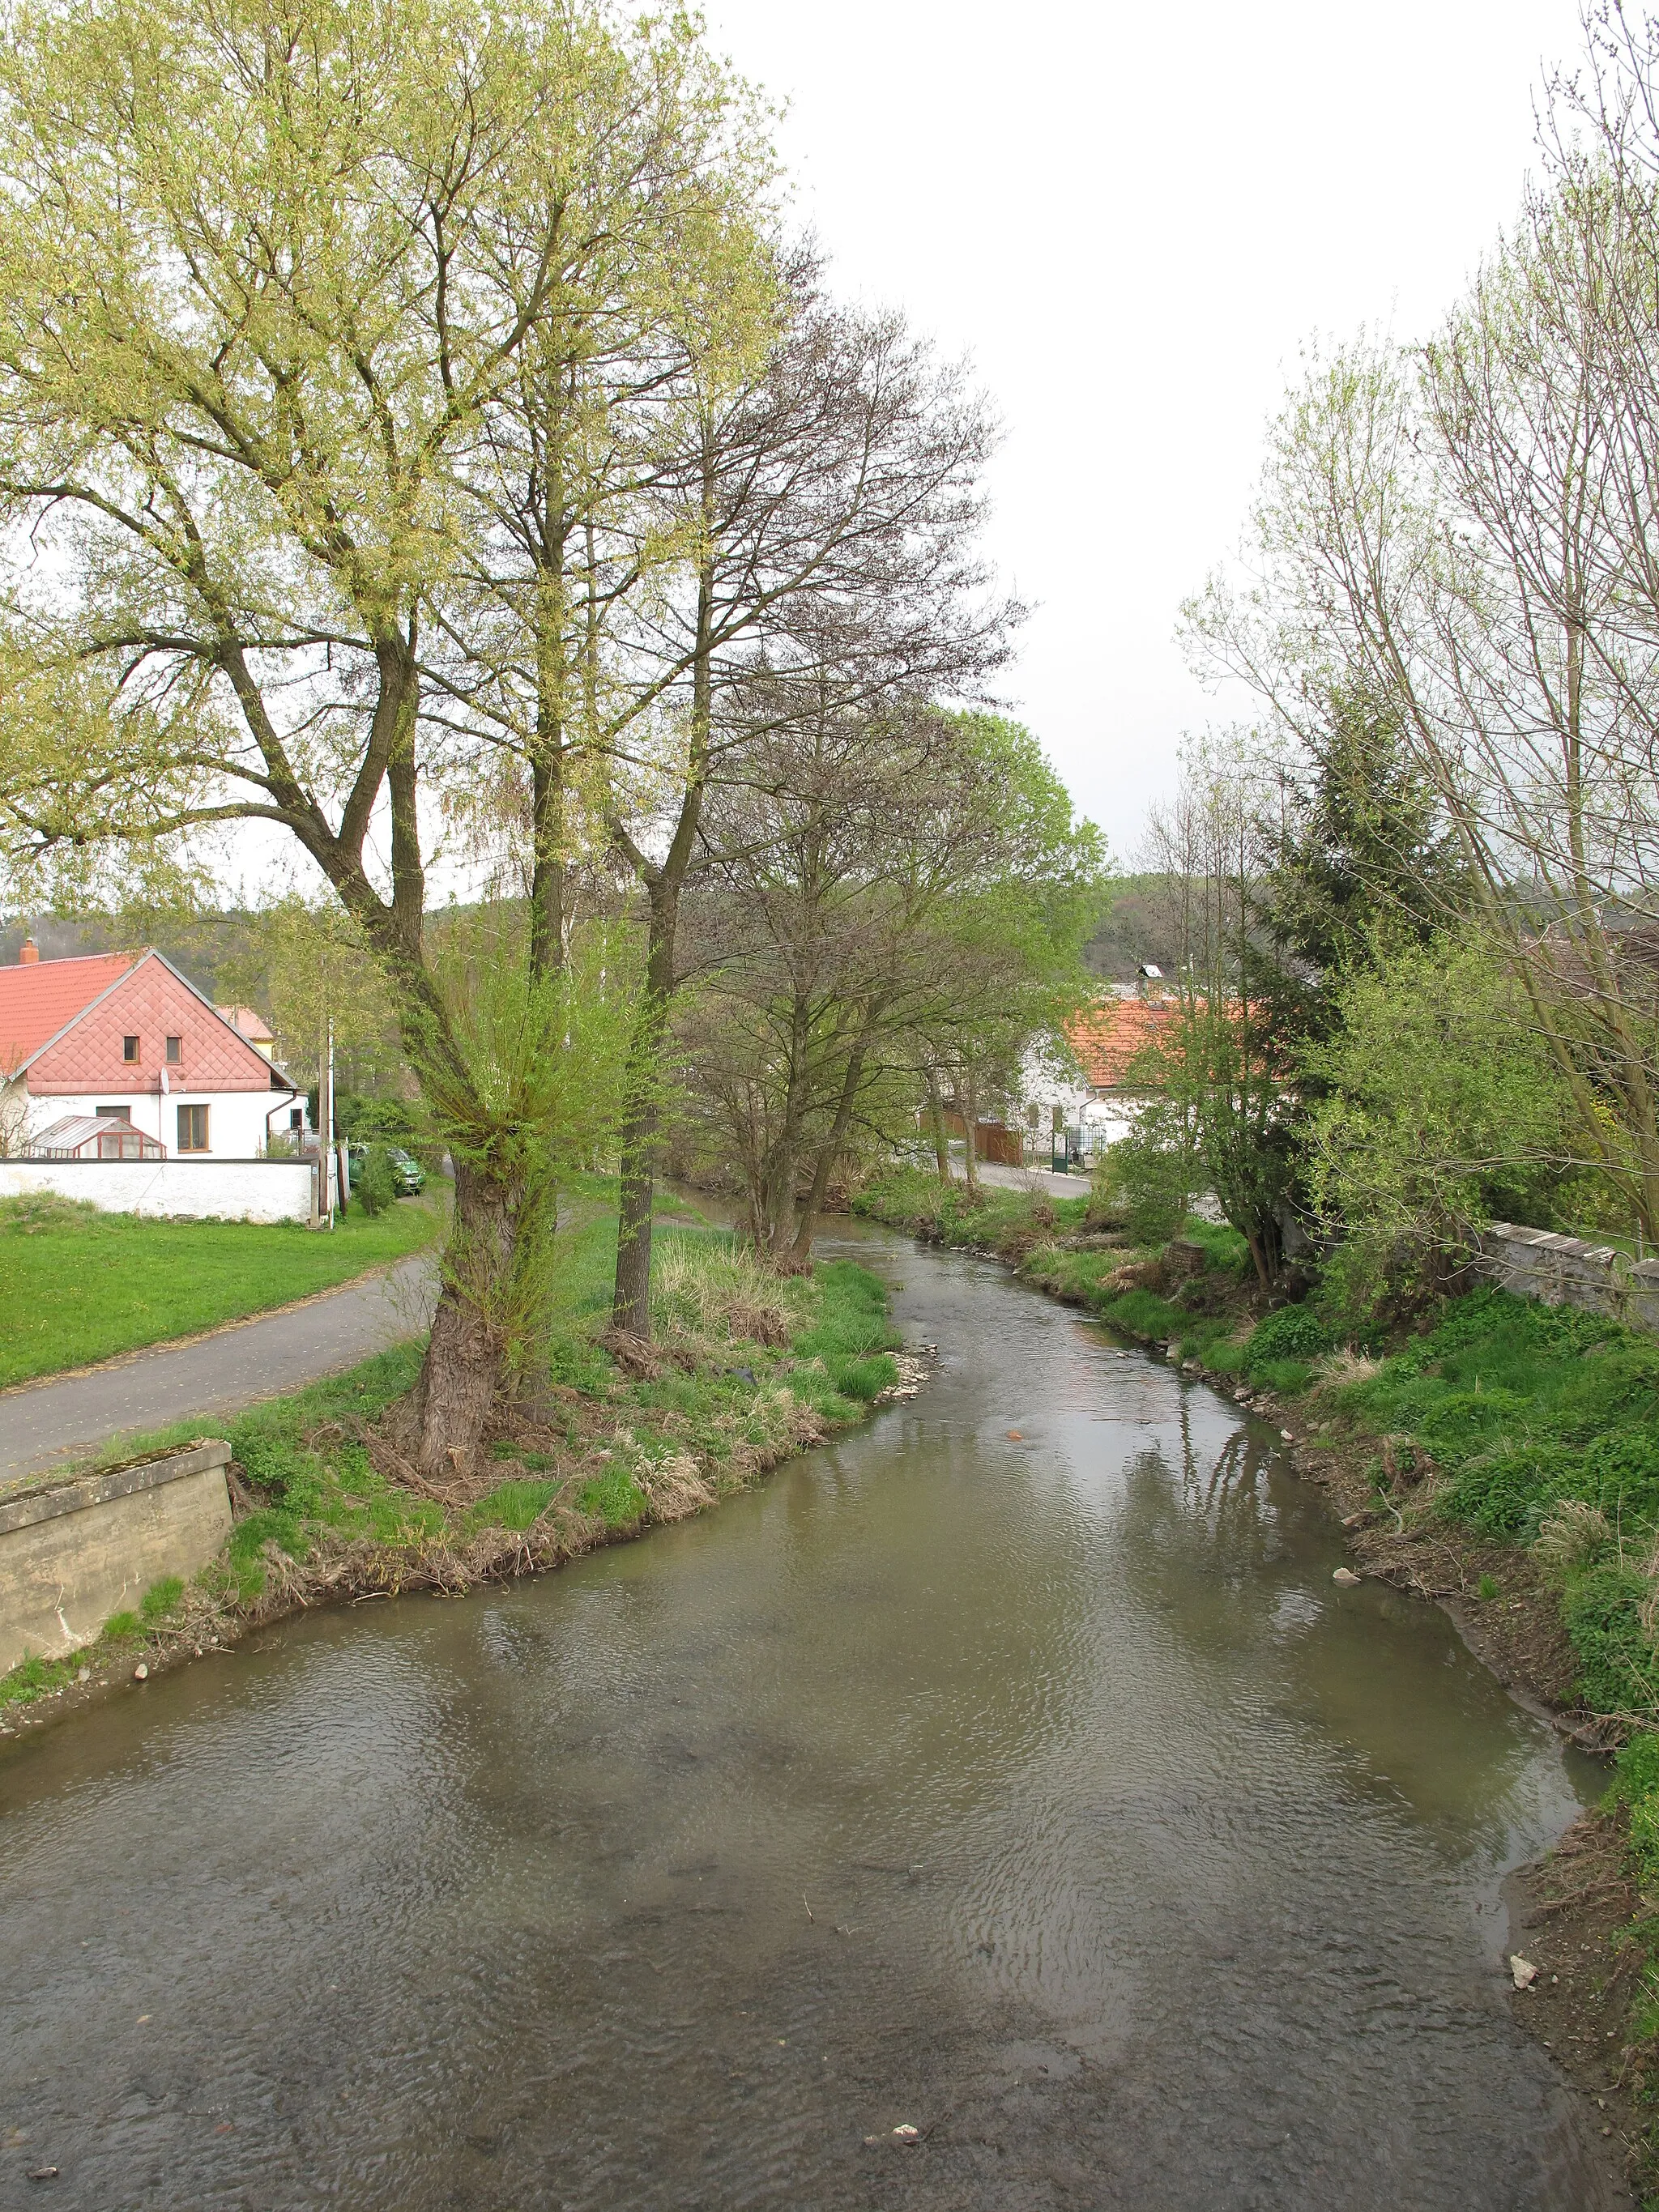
(516, 1505)
(614, 1496)
(1292, 1333)
(42, 1213)
(1153, 1174)
(1442, 1108)
(1486, 1588)
(1636, 1785)
(1602, 1609)
(1225, 1252)
(853, 1333)
(374, 1186)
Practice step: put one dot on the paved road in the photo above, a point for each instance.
(1057, 1185)
(69, 1414)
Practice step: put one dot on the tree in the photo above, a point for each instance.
(1219, 1067)
(1465, 540)
(903, 891)
(1441, 1107)
(262, 274)
(830, 503)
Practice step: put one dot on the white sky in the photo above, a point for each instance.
(1130, 216)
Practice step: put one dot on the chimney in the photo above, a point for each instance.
(29, 953)
(1144, 978)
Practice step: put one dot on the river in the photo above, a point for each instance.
(1010, 1770)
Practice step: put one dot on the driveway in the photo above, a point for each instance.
(66, 1416)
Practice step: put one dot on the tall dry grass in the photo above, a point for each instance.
(711, 1288)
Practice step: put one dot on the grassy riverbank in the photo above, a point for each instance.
(77, 1285)
(1505, 1463)
(746, 1369)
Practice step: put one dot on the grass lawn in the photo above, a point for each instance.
(77, 1285)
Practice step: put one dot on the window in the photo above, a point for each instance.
(129, 1048)
(175, 1051)
(296, 1117)
(112, 1113)
(193, 1128)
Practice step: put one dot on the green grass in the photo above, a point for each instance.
(1527, 1412)
(77, 1285)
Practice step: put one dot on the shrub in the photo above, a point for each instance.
(374, 1186)
(1292, 1332)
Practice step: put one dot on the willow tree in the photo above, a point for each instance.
(263, 270)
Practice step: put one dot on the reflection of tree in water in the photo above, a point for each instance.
(1213, 1548)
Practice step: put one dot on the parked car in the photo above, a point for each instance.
(407, 1172)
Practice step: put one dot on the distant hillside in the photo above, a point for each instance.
(1135, 931)
(198, 947)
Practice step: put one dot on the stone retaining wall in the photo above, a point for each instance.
(74, 1552)
(1565, 1271)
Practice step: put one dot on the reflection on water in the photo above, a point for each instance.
(1041, 1792)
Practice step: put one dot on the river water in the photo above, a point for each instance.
(1036, 1790)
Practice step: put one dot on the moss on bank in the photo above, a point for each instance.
(746, 1368)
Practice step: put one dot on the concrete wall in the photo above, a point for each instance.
(72, 1554)
(197, 1190)
(1565, 1271)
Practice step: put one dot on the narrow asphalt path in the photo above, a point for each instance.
(66, 1415)
(1057, 1185)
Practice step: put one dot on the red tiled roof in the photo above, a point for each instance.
(253, 1027)
(37, 997)
(1110, 1036)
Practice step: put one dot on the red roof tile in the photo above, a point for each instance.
(1110, 1034)
(37, 997)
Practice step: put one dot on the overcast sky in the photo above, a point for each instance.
(1130, 217)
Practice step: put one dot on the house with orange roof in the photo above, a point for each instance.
(118, 1055)
(1084, 1108)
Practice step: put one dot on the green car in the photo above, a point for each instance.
(407, 1173)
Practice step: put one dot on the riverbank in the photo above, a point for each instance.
(745, 1370)
(1504, 1466)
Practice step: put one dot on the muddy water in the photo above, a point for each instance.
(1039, 1791)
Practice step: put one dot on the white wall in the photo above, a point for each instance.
(236, 1119)
(191, 1189)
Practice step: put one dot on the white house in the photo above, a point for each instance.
(123, 1038)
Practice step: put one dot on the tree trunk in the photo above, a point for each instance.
(641, 1132)
(829, 1153)
(970, 1124)
(936, 1121)
(462, 1369)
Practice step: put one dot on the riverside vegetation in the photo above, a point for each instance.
(1502, 1458)
(745, 1367)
